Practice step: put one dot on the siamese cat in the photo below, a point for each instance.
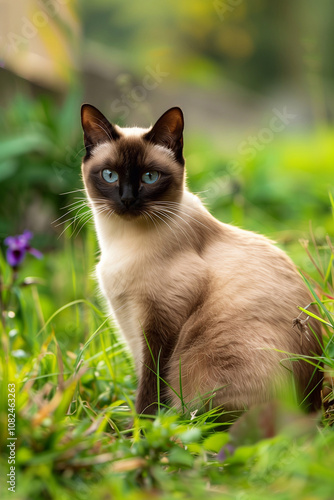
(204, 306)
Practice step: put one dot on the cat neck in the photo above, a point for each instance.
(177, 221)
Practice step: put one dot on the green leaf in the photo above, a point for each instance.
(180, 456)
(243, 454)
(191, 435)
(7, 168)
(68, 118)
(21, 145)
(195, 448)
(216, 441)
(309, 313)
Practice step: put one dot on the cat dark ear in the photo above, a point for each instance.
(96, 127)
(168, 132)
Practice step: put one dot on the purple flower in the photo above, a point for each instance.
(226, 452)
(18, 246)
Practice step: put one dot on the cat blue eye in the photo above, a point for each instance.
(150, 177)
(109, 175)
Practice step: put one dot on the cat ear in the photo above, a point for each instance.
(168, 132)
(96, 127)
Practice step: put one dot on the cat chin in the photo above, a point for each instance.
(130, 215)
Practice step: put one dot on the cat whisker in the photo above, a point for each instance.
(188, 215)
(163, 212)
(77, 200)
(87, 217)
(162, 219)
(81, 216)
(152, 219)
(82, 202)
(179, 204)
(86, 221)
(76, 216)
(65, 229)
(74, 204)
(170, 210)
(102, 207)
(73, 207)
(184, 212)
(110, 214)
(74, 191)
(67, 213)
(145, 215)
(76, 220)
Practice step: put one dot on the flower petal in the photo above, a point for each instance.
(36, 253)
(27, 235)
(10, 240)
(17, 248)
(226, 452)
(15, 256)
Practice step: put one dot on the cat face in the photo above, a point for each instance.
(129, 171)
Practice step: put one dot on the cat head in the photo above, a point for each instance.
(129, 171)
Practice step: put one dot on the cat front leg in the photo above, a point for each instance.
(152, 390)
(147, 393)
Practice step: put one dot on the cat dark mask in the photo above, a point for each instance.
(130, 170)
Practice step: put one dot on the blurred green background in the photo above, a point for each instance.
(254, 80)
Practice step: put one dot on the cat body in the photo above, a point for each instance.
(214, 303)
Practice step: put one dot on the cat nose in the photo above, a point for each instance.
(128, 201)
(127, 197)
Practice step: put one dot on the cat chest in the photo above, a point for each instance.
(139, 287)
(123, 277)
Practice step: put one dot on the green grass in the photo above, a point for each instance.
(77, 432)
